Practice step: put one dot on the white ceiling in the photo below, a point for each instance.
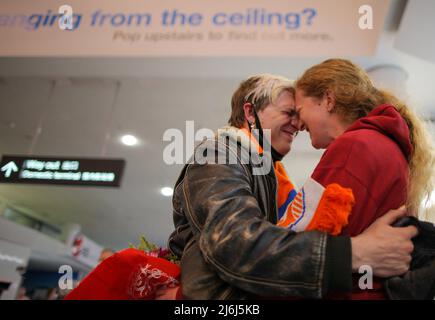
(155, 94)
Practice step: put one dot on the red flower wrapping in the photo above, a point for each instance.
(128, 274)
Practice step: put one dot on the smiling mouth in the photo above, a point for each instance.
(290, 133)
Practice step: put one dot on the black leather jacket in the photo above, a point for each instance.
(229, 246)
(419, 282)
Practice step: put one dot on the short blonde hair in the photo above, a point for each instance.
(260, 90)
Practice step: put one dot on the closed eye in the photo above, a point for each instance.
(292, 113)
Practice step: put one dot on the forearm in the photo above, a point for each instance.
(269, 261)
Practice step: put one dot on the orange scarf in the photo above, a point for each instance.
(314, 207)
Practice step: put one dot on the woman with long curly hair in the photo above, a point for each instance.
(375, 145)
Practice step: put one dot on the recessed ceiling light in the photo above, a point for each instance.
(167, 191)
(129, 140)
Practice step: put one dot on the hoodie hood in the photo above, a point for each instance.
(388, 121)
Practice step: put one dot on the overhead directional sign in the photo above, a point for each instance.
(9, 168)
(61, 171)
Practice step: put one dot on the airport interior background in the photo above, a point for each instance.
(68, 107)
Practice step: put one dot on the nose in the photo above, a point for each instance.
(301, 125)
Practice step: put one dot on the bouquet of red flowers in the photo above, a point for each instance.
(154, 251)
(131, 274)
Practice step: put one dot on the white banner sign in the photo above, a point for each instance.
(190, 27)
(85, 250)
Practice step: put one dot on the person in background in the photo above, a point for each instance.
(53, 294)
(22, 294)
(106, 253)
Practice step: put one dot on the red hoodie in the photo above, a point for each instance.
(371, 158)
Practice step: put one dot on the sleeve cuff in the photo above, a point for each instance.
(338, 265)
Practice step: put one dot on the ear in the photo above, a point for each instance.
(248, 109)
(330, 100)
